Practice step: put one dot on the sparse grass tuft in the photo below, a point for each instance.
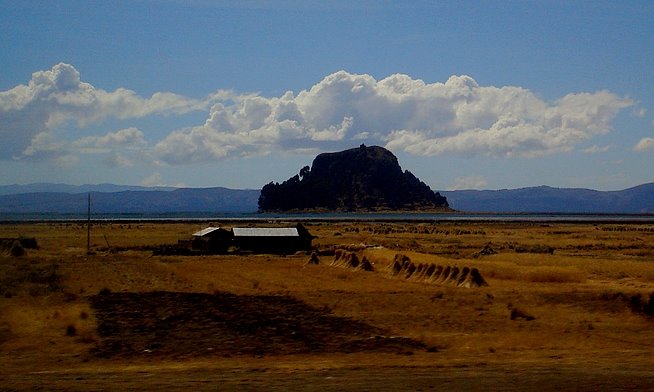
(104, 291)
(520, 314)
(71, 330)
(642, 306)
(17, 250)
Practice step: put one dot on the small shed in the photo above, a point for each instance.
(211, 239)
(284, 240)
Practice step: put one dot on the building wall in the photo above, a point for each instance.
(283, 245)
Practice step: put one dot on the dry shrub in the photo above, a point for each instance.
(17, 249)
(517, 313)
(104, 291)
(71, 330)
(28, 243)
(314, 259)
(639, 305)
(16, 246)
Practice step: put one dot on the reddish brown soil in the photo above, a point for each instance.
(195, 324)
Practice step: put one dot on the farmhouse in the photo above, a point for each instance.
(211, 240)
(282, 240)
(272, 239)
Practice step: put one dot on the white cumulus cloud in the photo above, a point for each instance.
(128, 137)
(58, 96)
(645, 144)
(118, 160)
(470, 182)
(44, 146)
(595, 149)
(639, 112)
(458, 116)
(399, 112)
(153, 179)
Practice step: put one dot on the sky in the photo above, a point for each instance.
(467, 94)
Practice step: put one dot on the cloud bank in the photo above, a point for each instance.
(401, 113)
(470, 182)
(56, 97)
(342, 110)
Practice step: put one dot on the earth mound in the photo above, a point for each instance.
(363, 178)
(468, 277)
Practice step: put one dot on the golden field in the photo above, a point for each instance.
(567, 307)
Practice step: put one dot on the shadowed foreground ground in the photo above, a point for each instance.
(167, 324)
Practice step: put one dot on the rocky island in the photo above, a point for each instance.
(358, 179)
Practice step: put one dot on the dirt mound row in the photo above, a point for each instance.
(194, 324)
(343, 258)
(403, 267)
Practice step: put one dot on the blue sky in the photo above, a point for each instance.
(482, 95)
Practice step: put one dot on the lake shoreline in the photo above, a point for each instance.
(402, 216)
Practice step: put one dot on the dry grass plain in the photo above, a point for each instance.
(121, 318)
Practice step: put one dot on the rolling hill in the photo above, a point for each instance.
(141, 201)
(639, 199)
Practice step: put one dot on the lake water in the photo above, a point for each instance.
(373, 217)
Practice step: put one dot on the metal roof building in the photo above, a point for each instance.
(205, 232)
(211, 240)
(265, 232)
(283, 240)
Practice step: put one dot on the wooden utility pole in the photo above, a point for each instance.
(88, 227)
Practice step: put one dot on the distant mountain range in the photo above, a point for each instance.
(639, 199)
(132, 201)
(109, 198)
(65, 188)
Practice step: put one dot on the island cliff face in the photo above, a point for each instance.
(359, 179)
